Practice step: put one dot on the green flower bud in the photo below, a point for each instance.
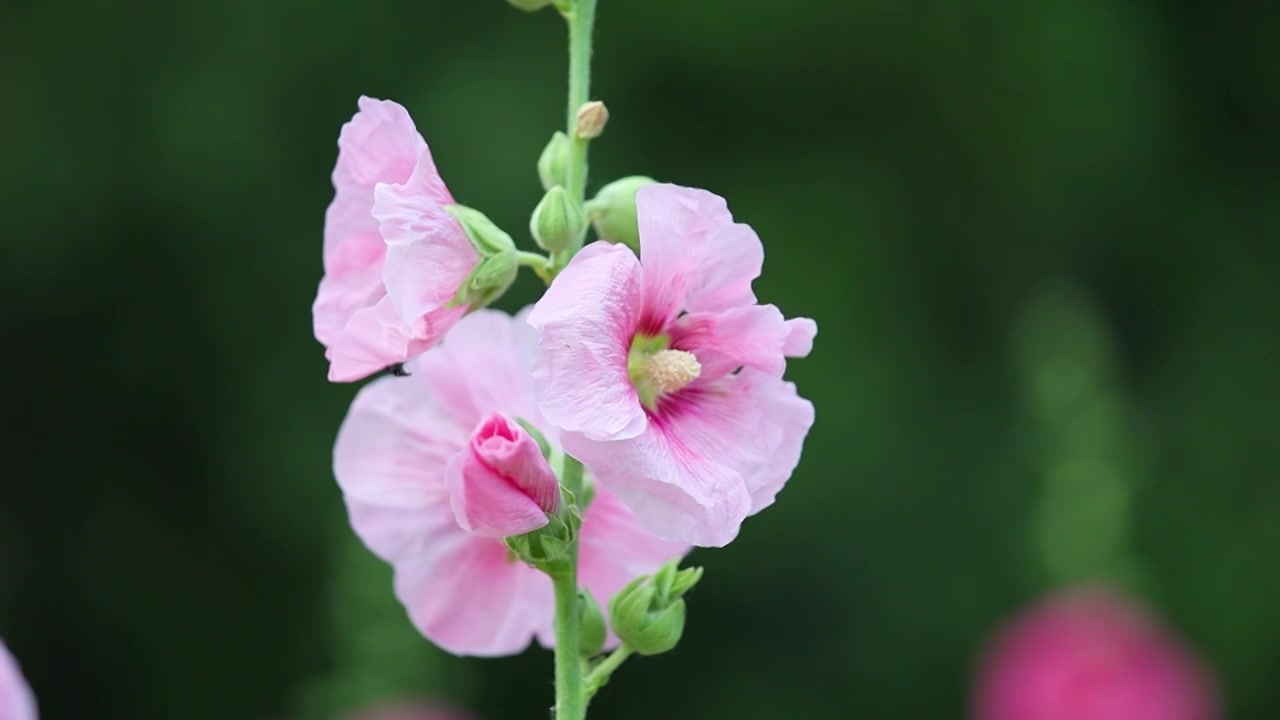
(613, 211)
(530, 5)
(553, 164)
(557, 223)
(488, 239)
(648, 614)
(591, 636)
(488, 280)
(547, 548)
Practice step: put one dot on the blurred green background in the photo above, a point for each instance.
(1040, 239)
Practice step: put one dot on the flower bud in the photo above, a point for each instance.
(592, 634)
(648, 614)
(613, 211)
(488, 280)
(592, 117)
(488, 239)
(530, 5)
(553, 163)
(501, 485)
(557, 223)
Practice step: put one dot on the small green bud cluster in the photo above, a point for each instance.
(498, 264)
(648, 614)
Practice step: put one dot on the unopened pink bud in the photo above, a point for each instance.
(1091, 655)
(501, 485)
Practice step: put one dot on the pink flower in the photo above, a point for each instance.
(16, 700)
(464, 591)
(408, 711)
(1089, 655)
(501, 485)
(393, 257)
(664, 374)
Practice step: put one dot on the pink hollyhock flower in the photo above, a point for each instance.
(408, 711)
(16, 699)
(1089, 655)
(501, 485)
(393, 257)
(393, 459)
(664, 374)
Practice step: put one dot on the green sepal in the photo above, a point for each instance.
(553, 163)
(613, 211)
(592, 632)
(488, 239)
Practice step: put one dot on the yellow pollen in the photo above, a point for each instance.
(670, 370)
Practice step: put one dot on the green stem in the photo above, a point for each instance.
(582, 19)
(600, 675)
(571, 703)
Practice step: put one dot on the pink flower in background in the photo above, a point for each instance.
(393, 257)
(16, 700)
(501, 485)
(1089, 655)
(464, 591)
(408, 711)
(664, 373)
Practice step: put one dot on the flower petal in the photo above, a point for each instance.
(750, 336)
(396, 442)
(378, 144)
(372, 339)
(585, 324)
(785, 422)
(695, 257)
(680, 476)
(473, 599)
(428, 253)
(17, 702)
(484, 365)
(801, 332)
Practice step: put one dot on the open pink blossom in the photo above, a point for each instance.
(16, 700)
(1090, 655)
(502, 485)
(664, 373)
(393, 257)
(465, 591)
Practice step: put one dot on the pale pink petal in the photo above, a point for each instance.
(371, 339)
(801, 332)
(501, 485)
(362, 331)
(585, 324)
(614, 548)
(428, 253)
(395, 443)
(785, 422)
(17, 702)
(474, 599)
(748, 336)
(379, 144)
(695, 257)
(484, 365)
(683, 476)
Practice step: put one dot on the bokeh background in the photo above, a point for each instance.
(1040, 239)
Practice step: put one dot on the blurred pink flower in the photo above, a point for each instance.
(16, 700)
(463, 591)
(501, 485)
(408, 711)
(664, 374)
(1089, 655)
(393, 257)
